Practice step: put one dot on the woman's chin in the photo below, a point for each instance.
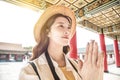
(65, 44)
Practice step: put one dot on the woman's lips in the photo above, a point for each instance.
(66, 37)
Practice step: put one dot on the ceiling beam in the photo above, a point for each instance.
(90, 26)
(96, 6)
(112, 29)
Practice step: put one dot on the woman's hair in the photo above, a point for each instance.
(42, 45)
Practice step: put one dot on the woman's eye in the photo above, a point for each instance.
(69, 27)
(61, 26)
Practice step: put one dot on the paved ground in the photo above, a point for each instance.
(113, 74)
(10, 71)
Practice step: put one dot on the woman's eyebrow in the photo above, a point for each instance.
(60, 22)
(63, 23)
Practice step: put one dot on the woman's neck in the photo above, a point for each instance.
(56, 52)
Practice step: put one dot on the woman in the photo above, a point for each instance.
(52, 33)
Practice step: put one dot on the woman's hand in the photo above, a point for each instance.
(92, 67)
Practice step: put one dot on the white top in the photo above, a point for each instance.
(27, 72)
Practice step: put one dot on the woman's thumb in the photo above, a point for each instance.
(80, 64)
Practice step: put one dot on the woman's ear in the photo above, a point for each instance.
(48, 35)
(47, 31)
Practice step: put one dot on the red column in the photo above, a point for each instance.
(116, 51)
(103, 48)
(73, 47)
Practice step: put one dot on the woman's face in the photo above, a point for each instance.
(60, 31)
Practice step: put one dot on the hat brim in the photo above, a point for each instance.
(50, 12)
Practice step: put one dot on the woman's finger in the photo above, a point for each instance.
(100, 61)
(86, 54)
(95, 53)
(90, 51)
(80, 64)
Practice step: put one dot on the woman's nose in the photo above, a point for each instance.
(66, 32)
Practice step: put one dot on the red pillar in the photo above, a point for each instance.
(73, 47)
(103, 48)
(116, 51)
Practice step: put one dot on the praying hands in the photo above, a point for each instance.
(92, 68)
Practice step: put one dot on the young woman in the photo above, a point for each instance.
(52, 32)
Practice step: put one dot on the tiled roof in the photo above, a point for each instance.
(11, 47)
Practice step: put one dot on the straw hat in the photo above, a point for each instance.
(50, 12)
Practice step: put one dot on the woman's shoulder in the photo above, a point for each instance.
(38, 61)
(28, 70)
(27, 73)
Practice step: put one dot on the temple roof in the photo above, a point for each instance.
(11, 47)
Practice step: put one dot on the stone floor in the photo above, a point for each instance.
(113, 73)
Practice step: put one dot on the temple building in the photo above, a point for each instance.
(11, 52)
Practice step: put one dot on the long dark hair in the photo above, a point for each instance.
(42, 45)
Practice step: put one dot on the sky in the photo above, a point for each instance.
(17, 23)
